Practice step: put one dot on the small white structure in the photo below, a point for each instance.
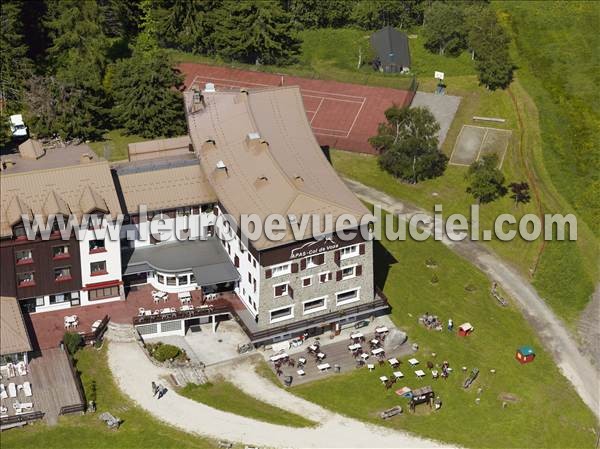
(17, 126)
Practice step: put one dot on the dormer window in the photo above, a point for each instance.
(19, 231)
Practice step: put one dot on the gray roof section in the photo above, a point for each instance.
(391, 46)
(205, 258)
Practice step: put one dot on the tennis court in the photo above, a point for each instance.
(473, 142)
(341, 115)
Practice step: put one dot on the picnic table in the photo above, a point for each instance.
(186, 308)
(184, 297)
(356, 335)
(394, 362)
(354, 346)
(377, 351)
(313, 348)
(413, 362)
(276, 357)
(381, 330)
(375, 342)
(383, 378)
(371, 367)
(321, 355)
(323, 366)
(301, 372)
(420, 373)
(364, 356)
(398, 374)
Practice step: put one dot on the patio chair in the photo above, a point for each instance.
(141, 311)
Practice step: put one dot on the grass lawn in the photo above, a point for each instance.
(115, 142)
(548, 412)
(139, 429)
(225, 396)
(333, 54)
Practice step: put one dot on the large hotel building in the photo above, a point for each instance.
(247, 152)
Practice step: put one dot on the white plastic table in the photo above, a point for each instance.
(323, 366)
(381, 330)
(377, 351)
(420, 373)
(383, 378)
(354, 347)
(413, 362)
(393, 361)
(398, 374)
(301, 372)
(356, 335)
(276, 357)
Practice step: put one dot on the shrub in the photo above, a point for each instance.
(162, 352)
(73, 341)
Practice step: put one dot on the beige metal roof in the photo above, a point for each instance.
(166, 188)
(151, 149)
(79, 188)
(270, 162)
(31, 149)
(13, 333)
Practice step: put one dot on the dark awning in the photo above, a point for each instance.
(207, 259)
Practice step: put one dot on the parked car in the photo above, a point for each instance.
(17, 126)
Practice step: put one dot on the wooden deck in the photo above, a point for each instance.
(52, 383)
(336, 354)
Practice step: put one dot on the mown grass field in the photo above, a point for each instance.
(139, 429)
(115, 143)
(225, 396)
(548, 412)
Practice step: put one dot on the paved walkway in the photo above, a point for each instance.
(550, 328)
(134, 374)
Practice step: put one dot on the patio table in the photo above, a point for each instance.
(420, 373)
(313, 348)
(323, 366)
(413, 362)
(377, 351)
(276, 357)
(371, 367)
(301, 372)
(302, 360)
(375, 342)
(398, 374)
(354, 346)
(364, 356)
(381, 330)
(394, 362)
(320, 356)
(186, 307)
(383, 378)
(356, 335)
(96, 324)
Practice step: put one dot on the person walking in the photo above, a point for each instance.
(162, 392)
(450, 324)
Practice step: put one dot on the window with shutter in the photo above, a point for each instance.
(294, 268)
(320, 259)
(290, 292)
(306, 282)
(236, 261)
(358, 271)
(336, 258)
(268, 273)
(361, 248)
(338, 275)
(303, 264)
(281, 290)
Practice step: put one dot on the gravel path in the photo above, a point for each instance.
(574, 365)
(134, 374)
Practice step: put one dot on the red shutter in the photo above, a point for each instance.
(216, 210)
(249, 256)
(236, 261)
(358, 270)
(361, 249)
(338, 275)
(336, 258)
(303, 264)
(291, 292)
(268, 273)
(306, 282)
(320, 259)
(294, 267)
(329, 276)
(323, 277)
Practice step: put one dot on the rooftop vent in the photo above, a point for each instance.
(221, 165)
(209, 87)
(299, 179)
(253, 136)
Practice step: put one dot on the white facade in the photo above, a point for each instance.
(102, 264)
(248, 287)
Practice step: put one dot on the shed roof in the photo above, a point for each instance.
(13, 333)
(391, 46)
(159, 148)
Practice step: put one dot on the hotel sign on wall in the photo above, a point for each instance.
(314, 247)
